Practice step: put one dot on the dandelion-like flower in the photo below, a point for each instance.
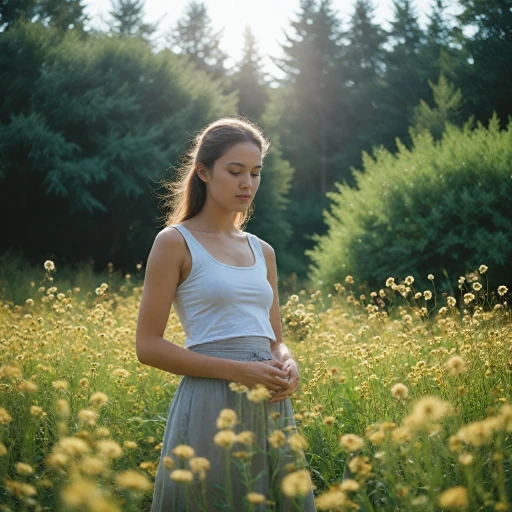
(452, 302)
(88, 417)
(255, 498)
(349, 280)
(465, 459)
(477, 287)
(93, 466)
(468, 298)
(390, 281)
(133, 480)
(227, 418)
(349, 485)
(427, 294)
(502, 290)
(60, 384)
(483, 269)
(456, 365)
(225, 438)
(24, 469)
(237, 387)
(409, 280)
(49, 265)
(297, 442)
(333, 499)
(400, 391)
(297, 483)
(183, 476)
(73, 446)
(431, 277)
(351, 442)
(277, 438)
(99, 398)
(428, 409)
(199, 465)
(246, 437)
(455, 498)
(79, 493)
(258, 393)
(109, 448)
(184, 451)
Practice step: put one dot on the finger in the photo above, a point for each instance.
(275, 363)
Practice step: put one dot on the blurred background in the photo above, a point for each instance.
(391, 148)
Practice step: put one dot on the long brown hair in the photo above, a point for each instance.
(187, 192)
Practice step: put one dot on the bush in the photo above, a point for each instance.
(438, 208)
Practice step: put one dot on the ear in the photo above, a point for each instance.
(202, 172)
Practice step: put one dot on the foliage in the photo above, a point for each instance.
(90, 126)
(194, 37)
(438, 208)
(448, 102)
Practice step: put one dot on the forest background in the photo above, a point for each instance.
(92, 122)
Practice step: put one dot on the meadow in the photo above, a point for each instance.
(410, 389)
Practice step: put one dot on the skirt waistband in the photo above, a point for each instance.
(241, 348)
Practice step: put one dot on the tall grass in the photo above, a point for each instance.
(404, 400)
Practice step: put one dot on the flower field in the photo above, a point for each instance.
(405, 400)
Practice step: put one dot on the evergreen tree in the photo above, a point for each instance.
(438, 53)
(249, 80)
(406, 82)
(364, 67)
(448, 102)
(313, 122)
(128, 20)
(486, 80)
(87, 127)
(194, 37)
(61, 14)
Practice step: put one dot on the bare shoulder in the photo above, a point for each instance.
(169, 246)
(268, 250)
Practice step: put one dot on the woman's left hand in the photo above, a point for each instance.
(291, 366)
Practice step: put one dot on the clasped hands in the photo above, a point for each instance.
(290, 367)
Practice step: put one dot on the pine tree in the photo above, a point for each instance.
(61, 14)
(314, 81)
(364, 68)
(194, 37)
(485, 68)
(128, 20)
(405, 77)
(448, 102)
(249, 80)
(438, 52)
(312, 106)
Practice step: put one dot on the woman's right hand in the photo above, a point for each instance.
(268, 373)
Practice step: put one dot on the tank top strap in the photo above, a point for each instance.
(255, 244)
(194, 246)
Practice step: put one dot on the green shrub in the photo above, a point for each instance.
(441, 207)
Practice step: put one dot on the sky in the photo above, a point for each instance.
(268, 20)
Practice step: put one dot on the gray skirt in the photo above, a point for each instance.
(237, 470)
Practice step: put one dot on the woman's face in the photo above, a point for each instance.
(236, 174)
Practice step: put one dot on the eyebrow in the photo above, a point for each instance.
(242, 165)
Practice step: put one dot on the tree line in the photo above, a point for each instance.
(92, 120)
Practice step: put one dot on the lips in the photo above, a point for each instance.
(246, 197)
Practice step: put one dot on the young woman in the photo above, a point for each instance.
(223, 283)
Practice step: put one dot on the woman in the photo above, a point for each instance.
(235, 447)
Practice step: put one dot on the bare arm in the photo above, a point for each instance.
(161, 279)
(279, 349)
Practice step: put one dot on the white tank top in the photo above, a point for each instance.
(219, 301)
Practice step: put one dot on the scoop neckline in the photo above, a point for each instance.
(220, 262)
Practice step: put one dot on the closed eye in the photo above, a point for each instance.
(237, 173)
